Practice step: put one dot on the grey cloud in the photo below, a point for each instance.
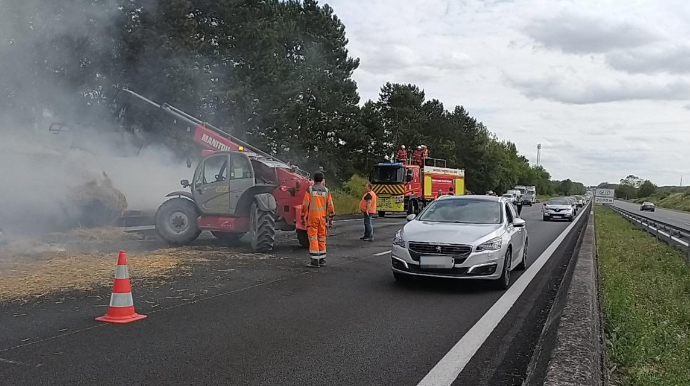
(396, 59)
(674, 60)
(687, 107)
(577, 91)
(580, 33)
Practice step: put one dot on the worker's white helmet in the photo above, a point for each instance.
(419, 147)
(402, 147)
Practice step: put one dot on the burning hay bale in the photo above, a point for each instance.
(99, 203)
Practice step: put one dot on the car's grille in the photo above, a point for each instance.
(457, 250)
(446, 272)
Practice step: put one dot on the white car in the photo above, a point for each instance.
(509, 196)
(560, 208)
(462, 237)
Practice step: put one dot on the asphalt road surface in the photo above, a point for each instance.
(672, 217)
(272, 321)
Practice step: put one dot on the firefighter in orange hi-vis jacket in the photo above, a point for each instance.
(317, 216)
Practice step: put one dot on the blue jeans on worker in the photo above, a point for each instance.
(368, 226)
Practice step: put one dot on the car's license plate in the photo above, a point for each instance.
(436, 262)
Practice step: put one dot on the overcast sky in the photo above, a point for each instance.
(604, 86)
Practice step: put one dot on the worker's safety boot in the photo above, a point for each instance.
(314, 263)
(322, 262)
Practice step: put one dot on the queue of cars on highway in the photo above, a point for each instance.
(563, 208)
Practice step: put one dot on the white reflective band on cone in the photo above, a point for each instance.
(121, 300)
(121, 272)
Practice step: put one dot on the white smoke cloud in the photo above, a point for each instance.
(40, 172)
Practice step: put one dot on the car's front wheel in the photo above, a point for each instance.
(503, 282)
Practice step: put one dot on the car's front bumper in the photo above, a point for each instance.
(559, 214)
(478, 265)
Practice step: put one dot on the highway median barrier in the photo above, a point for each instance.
(570, 349)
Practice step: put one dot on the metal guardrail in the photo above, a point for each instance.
(670, 234)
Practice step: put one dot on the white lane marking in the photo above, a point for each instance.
(449, 367)
(3, 360)
(382, 253)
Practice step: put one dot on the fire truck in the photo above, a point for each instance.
(407, 188)
(236, 188)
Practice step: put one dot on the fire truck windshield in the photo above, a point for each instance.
(387, 174)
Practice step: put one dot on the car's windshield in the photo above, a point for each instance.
(467, 211)
(558, 201)
(387, 174)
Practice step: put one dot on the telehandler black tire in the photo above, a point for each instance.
(176, 221)
(262, 229)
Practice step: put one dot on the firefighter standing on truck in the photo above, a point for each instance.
(317, 216)
(402, 155)
(418, 156)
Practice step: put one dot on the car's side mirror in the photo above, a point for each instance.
(411, 217)
(518, 223)
(184, 183)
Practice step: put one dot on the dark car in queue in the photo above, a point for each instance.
(648, 206)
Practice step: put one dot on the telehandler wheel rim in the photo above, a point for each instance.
(178, 221)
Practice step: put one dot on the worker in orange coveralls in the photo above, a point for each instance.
(317, 215)
(402, 155)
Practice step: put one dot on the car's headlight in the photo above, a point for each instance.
(398, 240)
(491, 245)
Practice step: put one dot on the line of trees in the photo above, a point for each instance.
(631, 187)
(276, 73)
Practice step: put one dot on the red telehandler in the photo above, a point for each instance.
(236, 188)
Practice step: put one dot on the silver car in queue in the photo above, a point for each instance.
(462, 237)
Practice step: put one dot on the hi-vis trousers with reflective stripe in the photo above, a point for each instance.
(317, 232)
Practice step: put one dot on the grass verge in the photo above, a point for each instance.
(645, 290)
(346, 200)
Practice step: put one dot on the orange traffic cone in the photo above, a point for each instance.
(121, 308)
